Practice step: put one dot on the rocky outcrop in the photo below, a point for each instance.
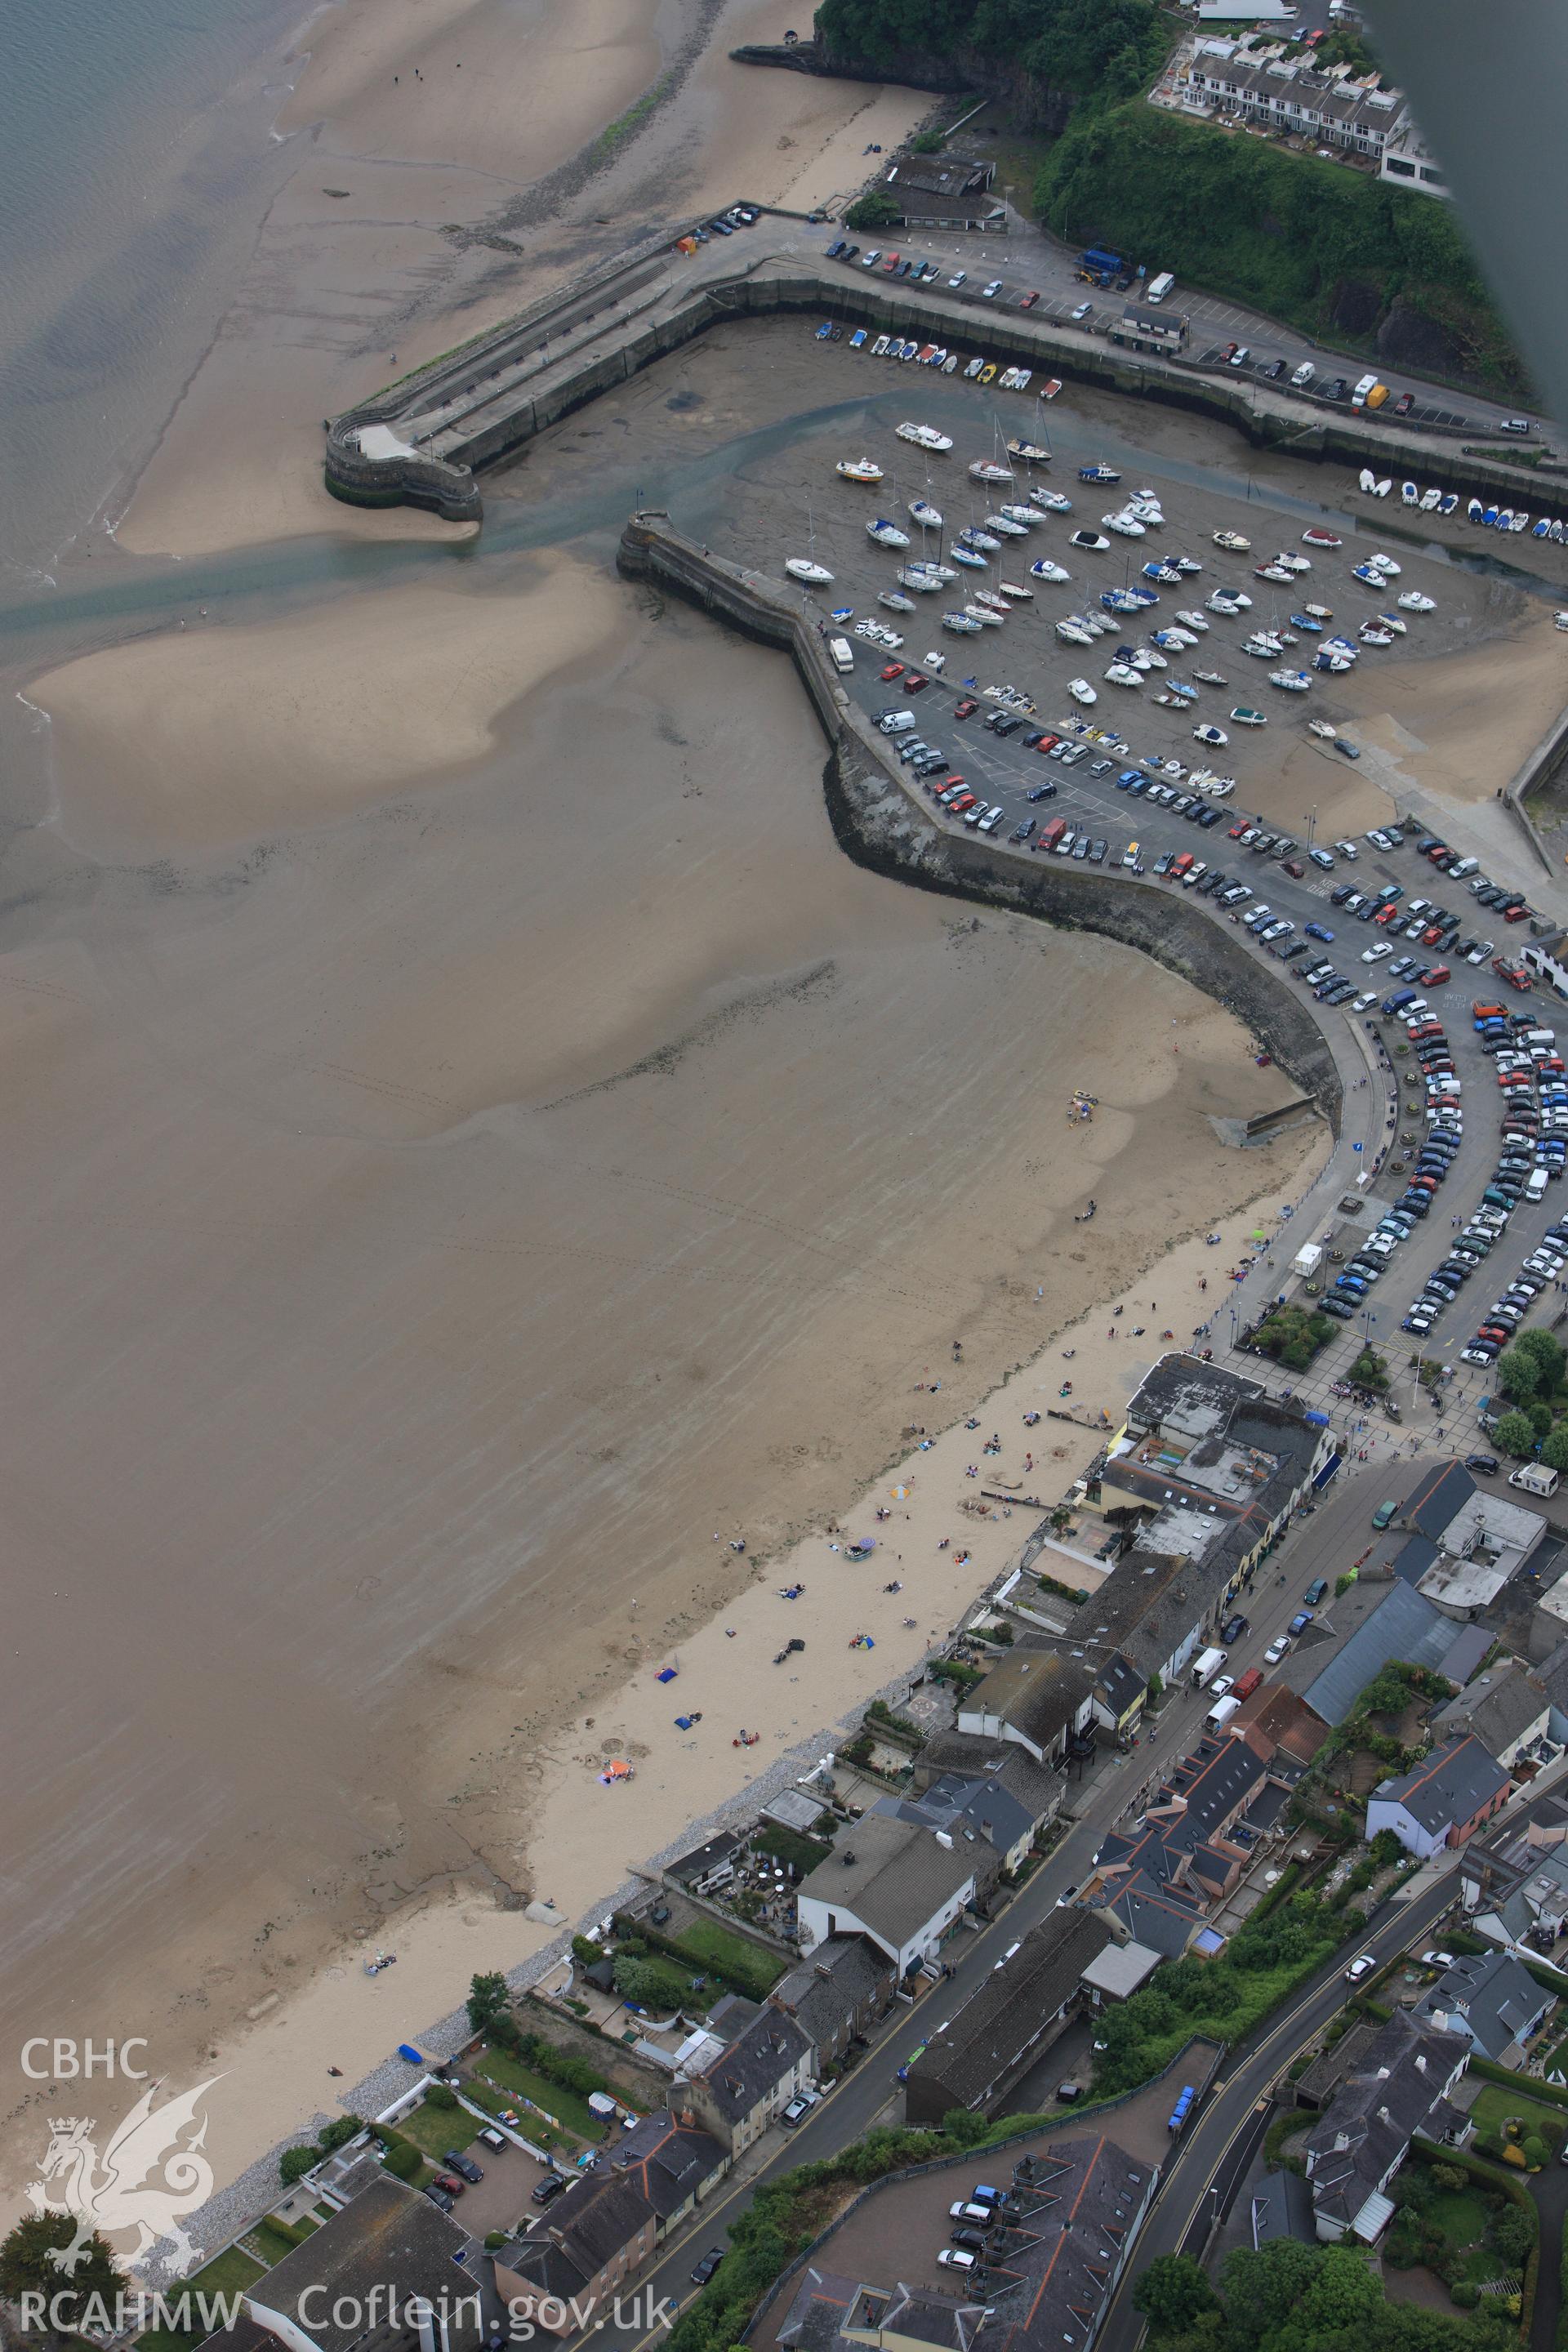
(1032, 105)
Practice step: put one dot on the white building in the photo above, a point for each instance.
(903, 1885)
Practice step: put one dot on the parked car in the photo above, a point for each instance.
(465, 2167)
(710, 2263)
(1362, 1966)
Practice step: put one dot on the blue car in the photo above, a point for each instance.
(1128, 778)
(1318, 932)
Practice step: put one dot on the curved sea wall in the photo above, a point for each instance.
(880, 822)
(611, 351)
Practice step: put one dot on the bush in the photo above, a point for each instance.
(338, 2133)
(1515, 1434)
(1465, 2294)
(404, 2159)
(874, 211)
(295, 2162)
(1536, 2152)
(441, 2095)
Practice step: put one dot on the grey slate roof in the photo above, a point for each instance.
(389, 2238)
(1436, 1498)
(1451, 1785)
(1497, 1707)
(755, 2065)
(1004, 2014)
(1497, 1995)
(1038, 1691)
(1403, 1625)
(1470, 1645)
(899, 1878)
(719, 1849)
(1412, 1560)
(1378, 2109)
(982, 1809)
(841, 1977)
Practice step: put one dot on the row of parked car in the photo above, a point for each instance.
(1534, 1151)
(972, 2218)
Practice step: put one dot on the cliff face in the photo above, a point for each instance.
(1032, 105)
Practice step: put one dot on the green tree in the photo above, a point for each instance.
(1262, 2290)
(1539, 1416)
(963, 2127)
(296, 2161)
(1518, 1376)
(1344, 2294)
(25, 2267)
(1171, 2292)
(1515, 1434)
(1548, 1355)
(1513, 2234)
(874, 211)
(1554, 1449)
(654, 1984)
(487, 1998)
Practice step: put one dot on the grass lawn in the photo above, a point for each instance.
(711, 1946)
(1495, 2103)
(268, 2244)
(232, 2272)
(436, 2129)
(567, 2106)
(1459, 2216)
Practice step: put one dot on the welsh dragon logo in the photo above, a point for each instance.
(150, 2175)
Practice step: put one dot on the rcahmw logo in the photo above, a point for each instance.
(149, 2176)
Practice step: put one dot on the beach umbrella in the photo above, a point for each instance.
(899, 1494)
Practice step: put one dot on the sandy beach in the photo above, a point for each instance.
(478, 1147)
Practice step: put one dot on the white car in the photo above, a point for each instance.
(992, 289)
(1376, 954)
(1362, 1966)
(1222, 1687)
(1276, 1650)
(959, 278)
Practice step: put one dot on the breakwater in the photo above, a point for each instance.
(426, 439)
(880, 822)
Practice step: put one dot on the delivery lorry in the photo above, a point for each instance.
(1308, 1259)
(1205, 1665)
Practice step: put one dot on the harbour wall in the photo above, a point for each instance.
(779, 284)
(880, 823)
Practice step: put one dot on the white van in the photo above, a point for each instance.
(1218, 1717)
(1535, 1185)
(1158, 288)
(841, 654)
(897, 722)
(1303, 375)
(1358, 397)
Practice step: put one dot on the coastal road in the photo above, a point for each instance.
(1201, 2169)
(1316, 1546)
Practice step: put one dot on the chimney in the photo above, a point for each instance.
(1384, 2117)
(1421, 2061)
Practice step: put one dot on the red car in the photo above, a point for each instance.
(893, 670)
(1434, 975)
(1238, 830)
(1404, 403)
(1439, 849)
(1048, 744)
(450, 2183)
(916, 682)
(1028, 301)
(967, 707)
(1514, 914)
(892, 263)
(957, 807)
(1392, 913)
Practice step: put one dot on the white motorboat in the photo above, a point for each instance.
(981, 540)
(1008, 529)
(1073, 633)
(1095, 623)
(815, 576)
(1320, 611)
(1385, 564)
(924, 436)
(1292, 561)
(1050, 501)
(1100, 473)
(1122, 674)
(1413, 601)
(1194, 621)
(1209, 677)
(1146, 659)
(1127, 524)
(1245, 718)
(961, 624)
(1410, 494)
(1212, 735)
(886, 534)
(991, 597)
(1375, 636)
(1321, 726)
(1081, 692)
(1473, 511)
(1046, 570)
(1316, 536)
(968, 558)
(924, 584)
(984, 470)
(858, 469)
(1431, 501)
(1447, 502)
(1272, 571)
(1019, 595)
(987, 618)
(894, 602)
(1292, 681)
(1519, 522)
(928, 517)
(1368, 480)
(1232, 541)
(1025, 517)
(1336, 663)
(1392, 621)
(1381, 489)
(1560, 620)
